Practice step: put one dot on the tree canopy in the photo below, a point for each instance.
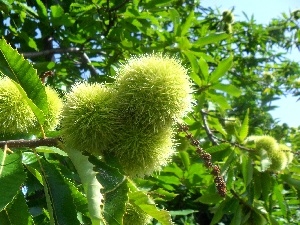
(232, 163)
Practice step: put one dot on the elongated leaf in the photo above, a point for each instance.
(187, 24)
(243, 132)
(115, 190)
(218, 148)
(42, 11)
(182, 212)
(247, 169)
(185, 158)
(221, 69)
(143, 201)
(210, 198)
(278, 192)
(38, 113)
(291, 181)
(90, 184)
(64, 210)
(12, 176)
(210, 39)
(204, 68)
(18, 212)
(237, 218)
(219, 100)
(47, 149)
(13, 65)
(114, 206)
(228, 88)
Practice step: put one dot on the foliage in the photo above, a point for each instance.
(236, 76)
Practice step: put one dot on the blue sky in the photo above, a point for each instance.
(263, 11)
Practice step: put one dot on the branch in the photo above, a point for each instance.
(210, 135)
(84, 57)
(51, 51)
(30, 143)
(118, 6)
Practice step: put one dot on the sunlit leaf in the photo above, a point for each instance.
(221, 69)
(12, 176)
(210, 39)
(18, 211)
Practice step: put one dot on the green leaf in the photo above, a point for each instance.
(64, 210)
(12, 176)
(204, 68)
(243, 132)
(18, 212)
(218, 148)
(291, 181)
(89, 182)
(210, 39)
(56, 11)
(221, 69)
(194, 64)
(247, 169)
(114, 205)
(185, 158)
(237, 218)
(209, 198)
(228, 88)
(187, 24)
(42, 11)
(182, 212)
(279, 194)
(175, 17)
(13, 65)
(115, 191)
(143, 201)
(48, 149)
(174, 169)
(219, 100)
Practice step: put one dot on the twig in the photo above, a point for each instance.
(30, 143)
(118, 6)
(51, 51)
(210, 135)
(88, 62)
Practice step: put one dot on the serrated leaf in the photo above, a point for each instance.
(221, 69)
(209, 198)
(146, 204)
(42, 11)
(18, 212)
(185, 158)
(243, 132)
(204, 68)
(182, 212)
(187, 24)
(13, 65)
(278, 192)
(237, 218)
(219, 100)
(228, 88)
(62, 205)
(12, 176)
(48, 149)
(90, 184)
(115, 191)
(247, 169)
(174, 169)
(210, 39)
(37, 112)
(218, 148)
(114, 205)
